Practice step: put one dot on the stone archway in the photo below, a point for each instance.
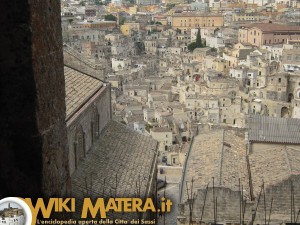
(297, 96)
(284, 112)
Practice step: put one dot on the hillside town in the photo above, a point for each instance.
(212, 85)
(11, 215)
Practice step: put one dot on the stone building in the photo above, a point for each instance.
(119, 64)
(58, 120)
(71, 36)
(294, 94)
(268, 33)
(102, 162)
(164, 136)
(128, 28)
(242, 17)
(291, 57)
(12, 216)
(90, 11)
(186, 21)
(88, 111)
(218, 165)
(151, 47)
(241, 174)
(103, 25)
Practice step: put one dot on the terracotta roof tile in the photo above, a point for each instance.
(270, 27)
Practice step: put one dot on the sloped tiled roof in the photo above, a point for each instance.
(270, 27)
(79, 88)
(272, 165)
(276, 130)
(119, 164)
(219, 154)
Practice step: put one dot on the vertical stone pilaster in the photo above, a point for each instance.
(33, 137)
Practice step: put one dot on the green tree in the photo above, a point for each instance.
(148, 127)
(110, 17)
(170, 6)
(199, 40)
(122, 20)
(192, 46)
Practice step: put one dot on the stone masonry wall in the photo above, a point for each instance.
(102, 103)
(228, 206)
(281, 206)
(32, 132)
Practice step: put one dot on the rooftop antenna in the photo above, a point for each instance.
(214, 200)
(244, 209)
(242, 204)
(293, 215)
(240, 200)
(165, 198)
(204, 204)
(190, 201)
(265, 206)
(297, 216)
(270, 211)
(216, 210)
(254, 213)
